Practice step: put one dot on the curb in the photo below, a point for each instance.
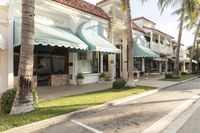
(32, 127)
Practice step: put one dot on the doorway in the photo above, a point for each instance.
(118, 63)
(44, 71)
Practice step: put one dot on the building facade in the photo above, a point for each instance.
(74, 36)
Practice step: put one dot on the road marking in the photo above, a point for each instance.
(87, 127)
(165, 121)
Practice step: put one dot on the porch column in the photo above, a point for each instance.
(160, 67)
(166, 67)
(143, 64)
(9, 51)
(73, 68)
(159, 39)
(183, 69)
(101, 59)
(124, 57)
(151, 39)
(112, 67)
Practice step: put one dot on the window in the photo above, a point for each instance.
(88, 62)
(105, 62)
(82, 55)
(59, 65)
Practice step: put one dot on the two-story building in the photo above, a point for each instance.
(160, 43)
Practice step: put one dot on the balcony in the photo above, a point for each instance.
(161, 48)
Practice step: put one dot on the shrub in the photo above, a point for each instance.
(118, 84)
(80, 76)
(184, 73)
(35, 97)
(6, 101)
(168, 76)
(102, 75)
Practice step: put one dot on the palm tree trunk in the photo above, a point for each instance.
(197, 54)
(193, 46)
(176, 66)
(130, 81)
(24, 99)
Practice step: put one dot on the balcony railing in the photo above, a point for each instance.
(161, 48)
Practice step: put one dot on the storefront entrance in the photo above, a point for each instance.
(118, 63)
(43, 71)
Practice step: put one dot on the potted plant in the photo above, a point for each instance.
(102, 77)
(79, 78)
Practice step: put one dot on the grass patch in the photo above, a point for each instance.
(59, 106)
(182, 77)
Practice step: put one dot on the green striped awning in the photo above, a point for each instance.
(49, 34)
(141, 48)
(94, 34)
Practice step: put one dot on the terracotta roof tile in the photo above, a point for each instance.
(84, 6)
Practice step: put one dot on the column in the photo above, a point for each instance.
(73, 68)
(10, 55)
(160, 67)
(184, 69)
(124, 57)
(159, 39)
(112, 66)
(143, 64)
(166, 67)
(101, 59)
(151, 39)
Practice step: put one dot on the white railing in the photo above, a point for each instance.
(161, 48)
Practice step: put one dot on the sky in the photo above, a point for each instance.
(165, 22)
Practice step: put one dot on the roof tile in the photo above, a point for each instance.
(84, 6)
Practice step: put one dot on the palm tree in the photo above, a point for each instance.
(125, 7)
(24, 99)
(194, 19)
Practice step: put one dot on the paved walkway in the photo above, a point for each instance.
(45, 93)
(134, 116)
(48, 92)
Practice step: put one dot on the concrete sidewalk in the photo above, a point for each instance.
(46, 93)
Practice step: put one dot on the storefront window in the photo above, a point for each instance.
(105, 62)
(88, 62)
(59, 65)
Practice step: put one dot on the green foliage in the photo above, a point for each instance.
(168, 76)
(102, 75)
(6, 101)
(80, 76)
(119, 84)
(184, 73)
(35, 97)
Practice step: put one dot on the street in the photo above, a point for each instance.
(134, 116)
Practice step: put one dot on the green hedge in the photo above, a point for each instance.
(118, 84)
(6, 101)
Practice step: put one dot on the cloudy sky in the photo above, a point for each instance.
(164, 22)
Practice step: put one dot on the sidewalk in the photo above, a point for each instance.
(48, 92)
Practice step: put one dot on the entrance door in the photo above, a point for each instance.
(44, 71)
(118, 63)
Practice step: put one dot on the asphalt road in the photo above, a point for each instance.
(192, 125)
(131, 117)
